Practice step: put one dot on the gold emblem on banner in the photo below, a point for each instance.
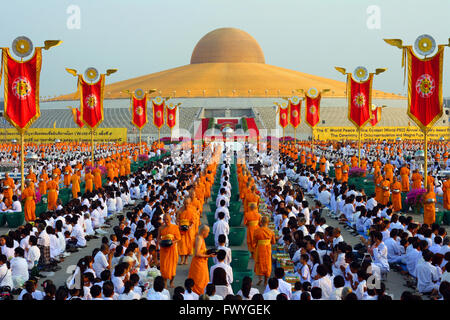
(425, 45)
(313, 93)
(91, 74)
(361, 74)
(22, 46)
(139, 93)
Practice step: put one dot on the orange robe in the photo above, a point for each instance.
(97, 178)
(169, 255)
(30, 205)
(446, 189)
(404, 174)
(385, 193)
(338, 170)
(42, 187)
(397, 196)
(89, 182)
(378, 189)
(75, 180)
(417, 180)
(185, 244)
(354, 161)
(429, 208)
(264, 239)
(52, 190)
(198, 271)
(345, 170)
(251, 220)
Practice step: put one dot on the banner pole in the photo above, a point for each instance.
(295, 135)
(159, 136)
(92, 146)
(282, 138)
(359, 147)
(22, 161)
(425, 151)
(140, 142)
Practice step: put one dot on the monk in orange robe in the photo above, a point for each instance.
(404, 175)
(385, 193)
(29, 196)
(168, 255)
(198, 270)
(88, 182)
(345, 170)
(389, 171)
(396, 188)
(354, 161)
(251, 197)
(9, 186)
(338, 170)
(429, 206)
(378, 188)
(186, 218)
(251, 220)
(322, 163)
(97, 178)
(446, 189)
(75, 180)
(417, 179)
(364, 166)
(42, 187)
(264, 239)
(52, 190)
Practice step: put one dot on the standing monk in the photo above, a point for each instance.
(429, 206)
(396, 188)
(264, 239)
(75, 180)
(404, 174)
(185, 221)
(97, 178)
(446, 189)
(417, 179)
(52, 190)
(338, 170)
(251, 220)
(199, 264)
(30, 204)
(89, 182)
(385, 193)
(168, 255)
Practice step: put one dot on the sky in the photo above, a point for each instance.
(139, 37)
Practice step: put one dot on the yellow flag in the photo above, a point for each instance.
(54, 125)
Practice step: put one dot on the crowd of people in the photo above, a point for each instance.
(155, 220)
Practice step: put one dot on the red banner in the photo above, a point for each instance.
(283, 116)
(294, 113)
(139, 111)
(77, 117)
(313, 110)
(22, 89)
(425, 101)
(171, 117)
(359, 100)
(91, 101)
(158, 114)
(375, 116)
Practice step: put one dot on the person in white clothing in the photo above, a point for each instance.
(283, 286)
(102, 260)
(273, 292)
(221, 227)
(221, 255)
(19, 268)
